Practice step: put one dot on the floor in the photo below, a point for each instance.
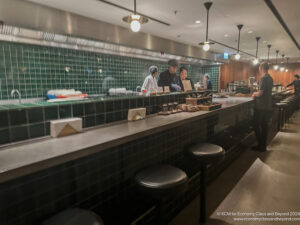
(258, 188)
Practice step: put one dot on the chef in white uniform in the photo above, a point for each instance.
(150, 82)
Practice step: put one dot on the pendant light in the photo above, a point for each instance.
(256, 60)
(269, 47)
(135, 20)
(206, 44)
(276, 65)
(282, 67)
(238, 56)
(287, 62)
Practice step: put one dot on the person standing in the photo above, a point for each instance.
(207, 82)
(183, 73)
(168, 77)
(262, 107)
(296, 84)
(150, 81)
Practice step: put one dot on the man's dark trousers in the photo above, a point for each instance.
(260, 124)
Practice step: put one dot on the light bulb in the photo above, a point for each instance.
(255, 61)
(135, 25)
(286, 70)
(281, 69)
(237, 56)
(276, 67)
(206, 47)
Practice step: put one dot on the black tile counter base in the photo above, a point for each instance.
(103, 181)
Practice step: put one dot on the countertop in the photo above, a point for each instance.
(20, 160)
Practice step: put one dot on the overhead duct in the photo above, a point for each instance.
(23, 14)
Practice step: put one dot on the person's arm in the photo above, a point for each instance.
(260, 92)
(146, 84)
(291, 84)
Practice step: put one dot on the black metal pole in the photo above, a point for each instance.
(134, 7)
(202, 195)
(257, 40)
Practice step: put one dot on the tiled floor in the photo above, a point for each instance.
(255, 183)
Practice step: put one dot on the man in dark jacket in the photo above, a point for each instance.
(262, 107)
(168, 77)
(296, 84)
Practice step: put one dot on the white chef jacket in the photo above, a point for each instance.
(150, 82)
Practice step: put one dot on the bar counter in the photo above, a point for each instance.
(37, 155)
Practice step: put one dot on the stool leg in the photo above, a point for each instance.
(161, 212)
(202, 195)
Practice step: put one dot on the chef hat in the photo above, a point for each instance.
(206, 75)
(153, 69)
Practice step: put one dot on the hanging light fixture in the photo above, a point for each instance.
(269, 47)
(206, 44)
(276, 65)
(282, 67)
(135, 20)
(256, 60)
(287, 62)
(238, 56)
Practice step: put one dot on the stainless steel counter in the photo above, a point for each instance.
(17, 161)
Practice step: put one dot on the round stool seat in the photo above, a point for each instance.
(160, 180)
(281, 104)
(206, 152)
(75, 216)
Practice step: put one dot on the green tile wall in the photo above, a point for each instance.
(35, 69)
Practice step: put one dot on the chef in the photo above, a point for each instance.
(150, 83)
(168, 77)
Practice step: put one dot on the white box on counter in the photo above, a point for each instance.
(65, 127)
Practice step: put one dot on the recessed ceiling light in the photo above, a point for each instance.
(197, 21)
(226, 35)
(250, 31)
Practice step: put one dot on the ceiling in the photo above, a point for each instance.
(257, 18)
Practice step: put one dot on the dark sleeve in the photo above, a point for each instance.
(162, 80)
(263, 84)
(209, 86)
(291, 84)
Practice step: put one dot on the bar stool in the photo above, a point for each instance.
(74, 216)
(281, 118)
(205, 153)
(161, 182)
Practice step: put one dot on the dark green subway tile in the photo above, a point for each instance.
(118, 116)
(4, 136)
(3, 119)
(65, 111)
(109, 117)
(78, 110)
(35, 115)
(19, 133)
(37, 130)
(100, 119)
(100, 107)
(51, 113)
(89, 121)
(89, 108)
(125, 104)
(117, 105)
(132, 103)
(109, 106)
(17, 117)
(47, 128)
